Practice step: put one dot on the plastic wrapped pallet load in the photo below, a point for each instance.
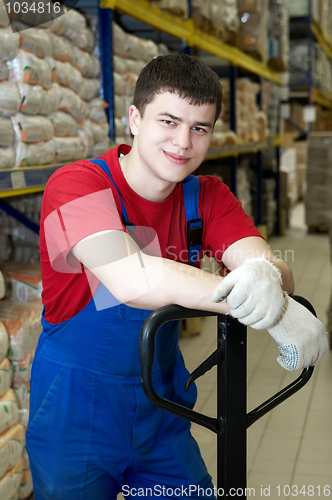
(96, 110)
(4, 21)
(23, 282)
(7, 157)
(4, 341)
(23, 324)
(39, 153)
(177, 7)
(11, 482)
(32, 128)
(230, 16)
(85, 133)
(278, 34)
(68, 148)
(36, 100)
(28, 68)
(119, 39)
(87, 64)
(99, 148)
(64, 124)
(89, 88)
(9, 411)
(252, 35)
(26, 486)
(9, 44)
(6, 132)
(11, 448)
(22, 369)
(100, 131)
(4, 71)
(76, 30)
(74, 22)
(6, 375)
(119, 127)
(63, 50)
(71, 103)
(63, 75)
(9, 99)
(38, 42)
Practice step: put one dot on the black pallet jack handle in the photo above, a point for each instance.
(232, 419)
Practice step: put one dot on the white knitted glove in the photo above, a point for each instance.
(254, 293)
(301, 337)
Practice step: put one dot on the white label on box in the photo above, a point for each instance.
(284, 92)
(18, 180)
(284, 78)
(309, 114)
(285, 110)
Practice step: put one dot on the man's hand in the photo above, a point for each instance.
(301, 337)
(254, 293)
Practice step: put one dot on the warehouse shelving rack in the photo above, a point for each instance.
(308, 27)
(15, 182)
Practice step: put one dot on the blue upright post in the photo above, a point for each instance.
(186, 49)
(233, 159)
(106, 59)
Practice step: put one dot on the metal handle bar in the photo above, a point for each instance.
(146, 352)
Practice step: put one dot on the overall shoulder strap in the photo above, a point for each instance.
(191, 187)
(102, 164)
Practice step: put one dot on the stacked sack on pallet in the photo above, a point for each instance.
(257, 27)
(20, 327)
(9, 96)
(278, 34)
(270, 103)
(215, 17)
(177, 7)
(222, 135)
(131, 54)
(252, 36)
(219, 18)
(53, 77)
(251, 123)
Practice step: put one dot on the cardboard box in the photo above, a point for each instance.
(301, 178)
(296, 117)
(301, 152)
(283, 190)
(319, 181)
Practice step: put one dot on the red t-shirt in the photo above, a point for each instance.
(80, 200)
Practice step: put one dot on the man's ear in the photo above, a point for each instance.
(134, 119)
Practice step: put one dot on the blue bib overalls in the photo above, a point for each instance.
(92, 431)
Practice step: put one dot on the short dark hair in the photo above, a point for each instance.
(178, 74)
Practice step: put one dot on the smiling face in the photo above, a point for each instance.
(172, 137)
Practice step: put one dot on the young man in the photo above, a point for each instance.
(113, 247)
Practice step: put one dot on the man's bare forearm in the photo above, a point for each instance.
(145, 281)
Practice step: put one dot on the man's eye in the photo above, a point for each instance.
(168, 122)
(199, 129)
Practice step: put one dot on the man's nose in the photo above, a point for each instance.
(182, 138)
